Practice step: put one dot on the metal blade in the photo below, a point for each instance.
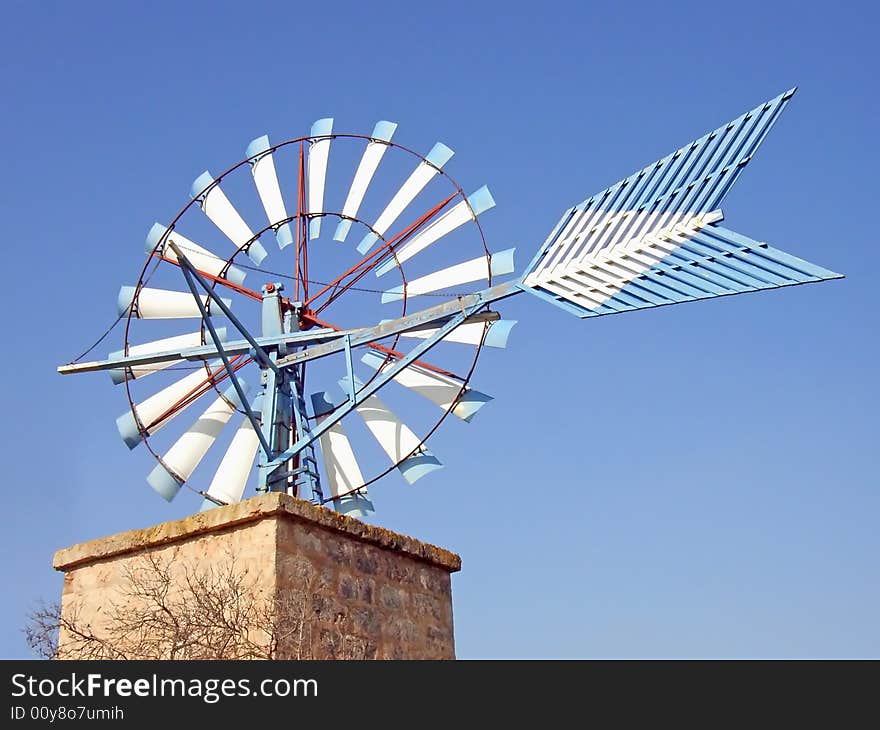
(471, 334)
(343, 472)
(415, 183)
(439, 389)
(231, 476)
(223, 214)
(465, 211)
(200, 257)
(319, 152)
(395, 438)
(179, 462)
(499, 264)
(266, 182)
(382, 132)
(132, 425)
(161, 303)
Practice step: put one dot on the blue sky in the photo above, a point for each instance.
(690, 481)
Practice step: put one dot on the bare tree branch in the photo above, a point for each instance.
(171, 610)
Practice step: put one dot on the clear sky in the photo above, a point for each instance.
(690, 481)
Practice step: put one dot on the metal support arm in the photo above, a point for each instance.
(188, 273)
(379, 381)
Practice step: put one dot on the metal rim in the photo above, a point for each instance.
(146, 273)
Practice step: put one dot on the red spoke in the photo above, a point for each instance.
(386, 350)
(217, 376)
(300, 206)
(225, 282)
(370, 261)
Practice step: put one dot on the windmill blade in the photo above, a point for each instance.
(231, 476)
(650, 239)
(471, 333)
(222, 213)
(477, 203)
(382, 132)
(395, 438)
(179, 462)
(192, 339)
(343, 472)
(266, 182)
(132, 426)
(439, 389)
(161, 303)
(319, 153)
(198, 256)
(696, 260)
(499, 264)
(439, 155)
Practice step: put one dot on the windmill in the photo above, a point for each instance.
(378, 298)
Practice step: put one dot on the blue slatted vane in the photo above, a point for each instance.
(652, 239)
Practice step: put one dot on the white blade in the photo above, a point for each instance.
(421, 176)
(395, 438)
(192, 339)
(266, 181)
(162, 303)
(439, 389)
(343, 472)
(471, 333)
(366, 169)
(231, 476)
(157, 404)
(477, 203)
(319, 152)
(199, 257)
(499, 264)
(223, 214)
(179, 462)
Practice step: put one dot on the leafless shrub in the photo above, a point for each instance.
(167, 610)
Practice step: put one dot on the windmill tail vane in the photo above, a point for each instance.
(310, 416)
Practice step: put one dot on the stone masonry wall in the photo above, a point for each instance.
(365, 601)
(353, 590)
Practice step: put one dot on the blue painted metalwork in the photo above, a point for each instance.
(713, 262)
(439, 155)
(379, 381)
(383, 131)
(692, 180)
(192, 276)
(322, 127)
(118, 375)
(498, 333)
(601, 257)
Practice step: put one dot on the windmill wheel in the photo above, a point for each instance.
(342, 232)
